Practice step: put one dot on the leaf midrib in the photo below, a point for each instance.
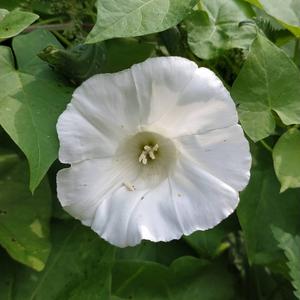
(133, 11)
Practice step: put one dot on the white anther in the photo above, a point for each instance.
(148, 151)
(130, 187)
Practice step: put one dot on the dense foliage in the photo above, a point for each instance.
(48, 48)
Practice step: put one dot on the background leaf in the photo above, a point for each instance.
(6, 276)
(268, 82)
(11, 4)
(15, 22)
(187, 278)
(291, 247)
(286, 12)
(24, 218)
(26, 48)
(76, 255)
(29, 108)
(81, 265)
(163, 253)
(210, 243)
(122, 18)
(262, 206)
(216, 29)
(286, 155)
(92, 272)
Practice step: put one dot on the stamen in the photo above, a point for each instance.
(130, 187)
(148, 152)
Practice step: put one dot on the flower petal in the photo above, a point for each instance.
(159, 82)
(203, 105)
(108, 189)
(80, 139)
(81, 188)
(110, 98)
(128, 217)
(224, 153)
(201, 199)
(190, 200)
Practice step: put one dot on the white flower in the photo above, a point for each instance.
(155, 152)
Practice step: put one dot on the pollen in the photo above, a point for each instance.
(148, 152)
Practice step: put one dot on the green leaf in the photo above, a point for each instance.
(286, 156)
(216, 28)
(82, 266)
(97, 281)
(24, 218)
(161, 252)
(15, 22)
(123, 18)
(29, 107)
(123, 53)
(11, 4)
(27, 58)
(78, 267)
(268, 82)
(286, 12)
(210, 243)
(84, 61)
(7, 161)
(292, 49)
(6, 276)
(187, 278)
(291, 246)
(260, 207)
(3, 13)
(255, 2)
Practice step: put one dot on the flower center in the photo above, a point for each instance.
(147, 158)
(148, 152)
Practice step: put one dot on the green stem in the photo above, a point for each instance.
(54, 27)
(62, 39)
(48, 21)
(266, 146)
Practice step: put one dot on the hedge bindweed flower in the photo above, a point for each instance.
(155, 152)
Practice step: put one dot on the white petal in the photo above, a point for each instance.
(159, 81)
(128, 217)
(110, 98)
(113, 215)
(190, 200)
(201, 199)
(203, 105)
(224, 153)
(80, 139)
(82, 187)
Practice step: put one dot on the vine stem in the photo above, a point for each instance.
(56, 27)
(62, 38)
(48, 21)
